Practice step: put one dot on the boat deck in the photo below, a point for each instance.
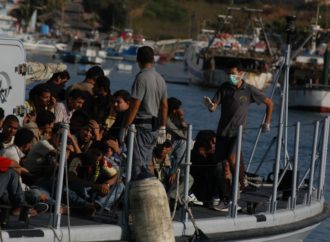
(252, 201)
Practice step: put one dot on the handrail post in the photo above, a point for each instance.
(312, 166)
(131, 136)
(184, 216)
(59, 188)
(273, 202)
(233, 209)
(320, 191)
(295, 169)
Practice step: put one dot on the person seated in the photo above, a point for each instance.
(40, 98)
(89, 178)
(56, 84)
(16, 152)
(9, 130)
(86, 136)
(164, 167)
(176, 129)
(204, 166)
(103, 108)
(42, 127)
(64, 110)
(121, 99)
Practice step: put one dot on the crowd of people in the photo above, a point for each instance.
(96, 147)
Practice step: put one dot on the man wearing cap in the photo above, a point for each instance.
(148, 111)
(235, 97)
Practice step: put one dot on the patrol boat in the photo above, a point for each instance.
(285, 207)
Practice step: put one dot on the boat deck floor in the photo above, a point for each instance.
(251, 201)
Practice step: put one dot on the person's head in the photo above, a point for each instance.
(145, 55)
(235, 73)
(161, 150)
(40, 95)
(121, 100)
(93, 73)
(96, 152)
(109, 140)
(60, 78)
(86, 134)
(45, 120)
(76, 99)
(10, 126)
(2, 115)
(206, 140)
(78, 120)
(173, 105)
(102, 86)
(23, 139)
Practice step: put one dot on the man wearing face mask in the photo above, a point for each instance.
(235, 96)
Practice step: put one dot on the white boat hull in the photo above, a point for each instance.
(310, 98)
(213, 77)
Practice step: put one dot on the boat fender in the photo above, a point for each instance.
(150, 211)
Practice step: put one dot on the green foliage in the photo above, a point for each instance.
(165, 10)
(111, 12)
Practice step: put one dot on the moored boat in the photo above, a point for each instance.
(310, 83)
(208, 57)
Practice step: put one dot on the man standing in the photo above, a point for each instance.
(235, 97)
(148, 111)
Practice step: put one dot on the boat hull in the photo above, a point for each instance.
(315, 99)
(284, 225)
(209, 76)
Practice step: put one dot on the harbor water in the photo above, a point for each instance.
(196, 114)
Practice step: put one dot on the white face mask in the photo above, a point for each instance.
(234, 79)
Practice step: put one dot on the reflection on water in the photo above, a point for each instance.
(201, 118)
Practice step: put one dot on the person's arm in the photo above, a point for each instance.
(269, 109)
(133, 109)
(163, 111)
(101, 188)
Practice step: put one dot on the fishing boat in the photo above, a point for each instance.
(84, 51)
(207, 58)
(309, 76)
(286, 207)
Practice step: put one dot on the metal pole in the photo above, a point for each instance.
(187, 171)
(131, 136)
(233, 209)
(312, 166)
(287, 72)
(295, 169)
(276, 77)
(59, 187)
(323, 159)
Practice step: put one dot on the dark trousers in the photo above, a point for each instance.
(226, 152)
(10, 188)
(144, 143)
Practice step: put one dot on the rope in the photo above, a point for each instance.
(59, 238)
(177, 195)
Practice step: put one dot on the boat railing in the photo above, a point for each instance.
(233, 208)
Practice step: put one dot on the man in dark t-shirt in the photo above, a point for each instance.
(235, 97)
